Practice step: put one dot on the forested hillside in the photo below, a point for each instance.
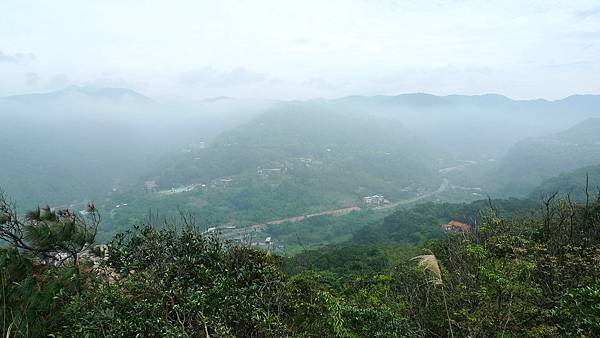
(294, 160)
(270, 169)
(532, 160)
(68, 133)
(280, 159)
(424, 221)
(292, 136)
(82, 143)
(408, 225)
(478, 127)
(521, 275)
(581, 184)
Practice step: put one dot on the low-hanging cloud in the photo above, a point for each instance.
(291, 46)
(31, 78)
(321, 84)
(16, 58)
(589, 12)
(211, 77)
(59, 81)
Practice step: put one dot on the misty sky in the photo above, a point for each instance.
(302, 49)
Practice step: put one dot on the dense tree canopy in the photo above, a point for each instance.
(534, 274)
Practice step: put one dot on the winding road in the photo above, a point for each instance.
(336, 212)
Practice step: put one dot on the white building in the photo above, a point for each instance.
(374, 200)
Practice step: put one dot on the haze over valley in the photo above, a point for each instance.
(339, 169)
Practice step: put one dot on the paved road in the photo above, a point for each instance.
(337, 212)
(256, 227)
(443, 187)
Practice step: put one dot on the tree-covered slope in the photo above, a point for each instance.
(57, 139)
(572, 183)
(474, 127)
(294, 137)
(82, 142)
(534, 275)
(293, 160)
(530, 161)
(424, 221)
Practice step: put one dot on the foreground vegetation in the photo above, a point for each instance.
(534, 274)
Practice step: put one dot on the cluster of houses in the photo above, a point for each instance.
(266, 172)
(375, 200)
(194, 146)
(269, 245)
(242, 237)
(307, 161)
(152, 187)
(219, 229)
(284, 165)
(186, 188)
(276, 168)
(222, 182)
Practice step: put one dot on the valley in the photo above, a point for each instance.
(234, 233)
(267, 169)
(284, 162)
